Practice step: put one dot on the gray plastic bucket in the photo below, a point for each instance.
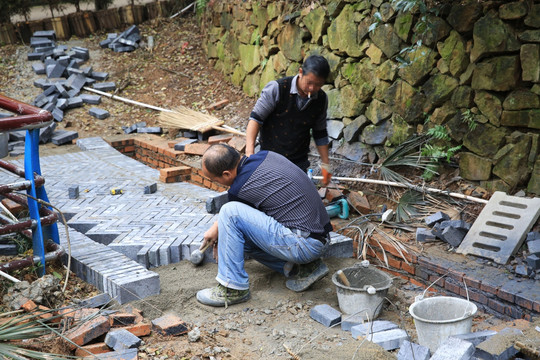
(440, 317)
(355, 299)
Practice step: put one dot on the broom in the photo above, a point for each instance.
(181, 117)
(185, 118)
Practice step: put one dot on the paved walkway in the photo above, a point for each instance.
(116, 238)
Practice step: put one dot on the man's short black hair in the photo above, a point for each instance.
(219, 158)
(317, 65)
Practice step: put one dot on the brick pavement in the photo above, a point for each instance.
(148, 230)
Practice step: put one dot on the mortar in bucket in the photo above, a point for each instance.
(356, 299)
(440, 317)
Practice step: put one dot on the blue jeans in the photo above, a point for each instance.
(245, 230)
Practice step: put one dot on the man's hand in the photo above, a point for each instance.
(211, 238)
(326, 174)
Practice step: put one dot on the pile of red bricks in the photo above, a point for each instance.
(159, 153)
(87, 329)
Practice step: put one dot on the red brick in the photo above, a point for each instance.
(169, 325)
(29, 306)
(488, 288)
(207, 183)
(196, 178)
(13, 206)
(438, 281)
(411, 269)
(393, 262)
(174, 171)
(141, 329)
(505, 295)
(129, 148)
(359, 202)
(472, 282)
(216, 139)
(121, 319)
(524, 303)
(416, 282)
(496, 305)
(167, 180)
(98, 348)
(89, 330)
(196, 149)
(239, 143)
(331, 194)
(218, 105)
(456, 275)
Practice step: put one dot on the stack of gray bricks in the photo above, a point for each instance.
(64, 78)
(125, 42)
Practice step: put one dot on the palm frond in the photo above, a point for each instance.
(408, 206)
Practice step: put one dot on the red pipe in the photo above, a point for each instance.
(31, 117)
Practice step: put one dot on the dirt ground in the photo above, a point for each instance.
(176, 72)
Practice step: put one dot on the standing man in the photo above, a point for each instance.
(291, 110)
(274, 215)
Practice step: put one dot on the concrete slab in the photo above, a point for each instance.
(501, 227)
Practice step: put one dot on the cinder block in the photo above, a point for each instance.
(424, 235)
(55, 71)
(435, 218)
(122, 339)
(453, 236)
(534, 247)
(74, 102)
(48, 34)
(169, 325)
(533, 262)
(454, 349)
(99, 300)
(90, 99)
(62, 104)
(39, 68)
(89, 330)
(348, 322)
(150, 189)
(389, 339)
(533, 235)
(149, 130)
(45, 133)
(8, 249)
(105, 86)
(372, 328)
(180, 146)
(325, 314)
(458, 224)
(409, 351)
(99, 113)
(134, 127)
(76, 82)
(214, 203)
(100, 76)
(476, 337)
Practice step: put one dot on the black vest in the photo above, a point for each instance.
(287, 129)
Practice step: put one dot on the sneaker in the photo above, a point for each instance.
(290, 269)
(308, 274)
(222, 296)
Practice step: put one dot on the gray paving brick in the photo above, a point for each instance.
(412, 351)
(454, 349)
(105, 86)
(372, 327)
(99, 113)
(122, 340)
(325, 314)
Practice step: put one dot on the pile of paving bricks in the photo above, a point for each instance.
(125, 42)
(451, 232)
(65, 77)
(93, 331)
(389, 336)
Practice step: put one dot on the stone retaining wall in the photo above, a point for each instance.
(475, 62)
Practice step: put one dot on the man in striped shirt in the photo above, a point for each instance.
(274, 215)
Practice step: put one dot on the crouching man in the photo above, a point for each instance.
(274, 215)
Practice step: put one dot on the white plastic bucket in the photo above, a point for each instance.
(355, 299)
(440, 317)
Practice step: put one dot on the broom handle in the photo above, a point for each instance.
(226, 129)
(116, 97)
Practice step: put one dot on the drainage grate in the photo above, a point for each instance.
(501, 227)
